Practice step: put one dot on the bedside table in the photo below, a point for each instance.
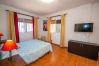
(2, 41)
(17, 61)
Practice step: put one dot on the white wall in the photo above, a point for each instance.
(4, 21)
(85, 13)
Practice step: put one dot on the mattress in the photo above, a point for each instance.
(30, 50)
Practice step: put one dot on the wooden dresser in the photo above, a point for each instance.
(85, 49)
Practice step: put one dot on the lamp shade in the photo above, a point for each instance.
(9, 45)
(1, 34)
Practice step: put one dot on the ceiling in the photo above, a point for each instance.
(40, 8)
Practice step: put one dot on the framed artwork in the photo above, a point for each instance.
(45, 25)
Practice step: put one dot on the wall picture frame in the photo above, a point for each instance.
(45, 25)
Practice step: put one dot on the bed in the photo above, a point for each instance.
(30, 50)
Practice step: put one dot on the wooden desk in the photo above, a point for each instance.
(17, 61)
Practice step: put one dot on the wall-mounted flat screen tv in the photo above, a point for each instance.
(83, 27)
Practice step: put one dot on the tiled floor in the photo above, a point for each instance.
(61, 57)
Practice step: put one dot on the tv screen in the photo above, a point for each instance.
(84, 27)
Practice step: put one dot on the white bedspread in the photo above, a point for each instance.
(30, 50)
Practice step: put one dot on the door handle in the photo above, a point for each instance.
(81, 45)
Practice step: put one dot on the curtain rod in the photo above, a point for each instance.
(21, 13)
(56, 16)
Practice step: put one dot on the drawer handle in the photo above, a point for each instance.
(82, 45)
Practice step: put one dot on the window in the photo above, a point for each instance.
(58, 27)
(22, 27)
(55, 26)
(25, 25)
(29, 27)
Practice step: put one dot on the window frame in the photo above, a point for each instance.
(56, 22)
(26, 22)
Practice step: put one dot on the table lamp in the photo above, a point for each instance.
(9, 45)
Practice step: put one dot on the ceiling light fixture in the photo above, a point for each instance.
(47, 1)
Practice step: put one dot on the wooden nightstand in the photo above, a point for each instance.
(2, 41)
(17, 61)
